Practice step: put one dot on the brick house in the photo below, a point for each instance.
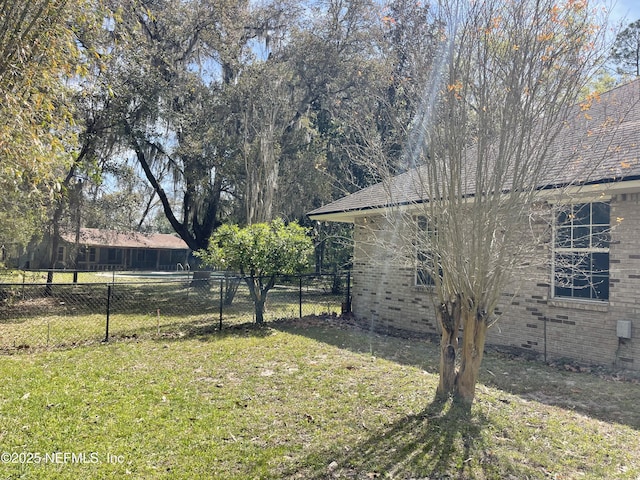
(592, 317)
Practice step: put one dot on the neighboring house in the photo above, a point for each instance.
(98, 249)
(592, 316)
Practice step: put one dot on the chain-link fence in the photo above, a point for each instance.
(129, 304)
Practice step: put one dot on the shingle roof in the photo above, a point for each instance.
(109, 238)
(608, 131)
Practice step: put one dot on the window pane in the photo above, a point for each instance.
(600, 263)
(581, 237)
(564, 281)
(582, 263)
(564, 265)
(581, 286)
(424, 278)
(582, 214)
(600, 287)
(564, 217)
(601, 214)
(563, 237)
(601, 237)
(562, 291)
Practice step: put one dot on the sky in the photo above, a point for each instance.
(626, 11)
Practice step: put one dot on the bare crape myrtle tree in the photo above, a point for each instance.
(506, 84)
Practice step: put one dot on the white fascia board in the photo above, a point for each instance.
(600, 192)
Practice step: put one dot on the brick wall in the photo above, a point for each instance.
(386, 297)
(384, 286)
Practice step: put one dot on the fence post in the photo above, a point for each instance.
(347, 300)
(300, 294)
(106, 335)
(221, 301)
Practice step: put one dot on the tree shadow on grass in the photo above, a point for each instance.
(443, 441)
(353, 336)
(207, 331)
(598, 396)
(203, 330)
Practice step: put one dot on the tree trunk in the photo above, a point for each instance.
(260, 311)
(262, 174)
(180, 228)
(449, 318)
(254, 293)
(460, 383)
(319, 249)
(473, 340)
(53, 256)
(258, 291)
(231, 284)
(55, 222)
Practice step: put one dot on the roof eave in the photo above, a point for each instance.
(597, 189)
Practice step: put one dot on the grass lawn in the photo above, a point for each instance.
(308, 399)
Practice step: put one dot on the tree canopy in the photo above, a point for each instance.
(39, 58)
(626, 50)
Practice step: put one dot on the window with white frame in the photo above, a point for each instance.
(425, 258)
(581, 251)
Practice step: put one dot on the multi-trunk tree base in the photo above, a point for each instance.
(460, 367)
